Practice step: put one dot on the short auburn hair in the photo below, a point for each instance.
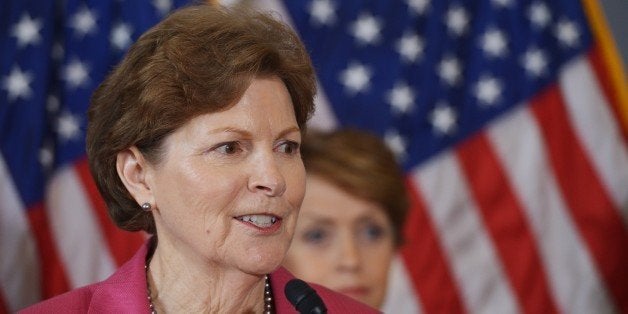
(198, 60)
(360, 164)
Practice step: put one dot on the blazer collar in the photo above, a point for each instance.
(125, 291)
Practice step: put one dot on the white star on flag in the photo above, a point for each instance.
(83, 22)
(567, 33)
(449, 70)
(27, 31)
(502, 3)
(539, 14)
(443, 119)
(121, 36)
(356, 78)
(401, 98)
(68, 127)
(535, 62)
(17, 84)
(396, 143)
(410, 47)
(76, 74)
(418, 6)
(488, 90)
(46, 157)
(457, 20)
(366, 29)
(493, 43)
(163, 6)
(322, 12)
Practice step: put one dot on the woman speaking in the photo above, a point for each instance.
(194, 138)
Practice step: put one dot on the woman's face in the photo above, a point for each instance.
(230, 185)
(342, 242)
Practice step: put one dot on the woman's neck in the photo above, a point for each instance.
(179, 283)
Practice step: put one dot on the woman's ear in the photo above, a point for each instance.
(134, 171)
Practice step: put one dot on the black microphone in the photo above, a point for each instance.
(304, 298)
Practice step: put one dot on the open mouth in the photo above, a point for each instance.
(260, 221)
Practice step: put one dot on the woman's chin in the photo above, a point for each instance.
(260, 269)
(263, 263)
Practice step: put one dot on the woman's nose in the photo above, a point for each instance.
(349, 255)
(267, 177)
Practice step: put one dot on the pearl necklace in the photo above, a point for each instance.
(268, 295)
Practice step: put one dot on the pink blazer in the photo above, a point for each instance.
(125, 292)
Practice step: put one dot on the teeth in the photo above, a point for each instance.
(261, 221)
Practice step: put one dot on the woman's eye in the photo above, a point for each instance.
(315, 236)
(229, 148)
(289, 147)
(374, 232)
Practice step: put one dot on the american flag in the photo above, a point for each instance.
(510, 118)
(511, 121)
(54, 231)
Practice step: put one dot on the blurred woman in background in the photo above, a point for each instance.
(351, 219)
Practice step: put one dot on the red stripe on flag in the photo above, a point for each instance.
(122, 244)
(53, 277)
(505, 221)
(426, 262)
(589, 203)
(603, 77)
